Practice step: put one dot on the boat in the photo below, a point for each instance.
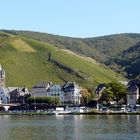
(61, 111)
(65, 112)
(69, 110)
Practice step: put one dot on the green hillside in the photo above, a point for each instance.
(105, 49)
(26, 63)
(102, 48)
(129, 60)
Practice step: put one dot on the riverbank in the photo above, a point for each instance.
(84, 113)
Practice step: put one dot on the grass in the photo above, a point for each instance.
(25, 63)
(21, 46)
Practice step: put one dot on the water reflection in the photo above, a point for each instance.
(70, 127)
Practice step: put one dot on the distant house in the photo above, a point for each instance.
(18, 94)
(56, 91)
(72, 93)
(13, 92)
(133, 92)
(40, 89)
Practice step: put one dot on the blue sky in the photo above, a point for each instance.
(76, 18)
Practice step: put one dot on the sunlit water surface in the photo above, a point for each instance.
(70, 127)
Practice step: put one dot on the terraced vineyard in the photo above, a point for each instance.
(26, 63)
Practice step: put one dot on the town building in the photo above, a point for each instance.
(68, 93)
(56, 91)
(18, 95)
(40, 89)
(72, 93)
(4, 94)
(133, 92)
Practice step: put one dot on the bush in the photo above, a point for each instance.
(47, 100)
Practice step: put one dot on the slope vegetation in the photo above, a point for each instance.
(26, 63)
(105, 49)
(129, 60)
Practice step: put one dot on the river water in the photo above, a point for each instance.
(70, 127)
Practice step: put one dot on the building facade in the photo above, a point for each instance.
(40, 89)
(68, 93)
(132, 95)
(133, 92)
(56, 91)
(72, 93)
(18, 95)
(4, 95)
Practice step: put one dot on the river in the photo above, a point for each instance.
(70, 127)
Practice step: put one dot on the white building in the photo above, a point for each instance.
(4, 95)
(133, 92)
(56, 91)
(132, 95)
(69, 93)
(72, 93)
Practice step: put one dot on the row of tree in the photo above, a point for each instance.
(46, 100)
(114, 92)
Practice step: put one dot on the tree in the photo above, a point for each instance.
(86, 96)
(119, 91)
(107, 95)
(47, 100)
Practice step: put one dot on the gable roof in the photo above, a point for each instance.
(12, 88)
(70, 84)
(100, 88)
(134, 82)
(133, 89)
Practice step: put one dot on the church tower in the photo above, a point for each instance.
(2, 77)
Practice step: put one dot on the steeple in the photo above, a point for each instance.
(0, 67)
(2, 77)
